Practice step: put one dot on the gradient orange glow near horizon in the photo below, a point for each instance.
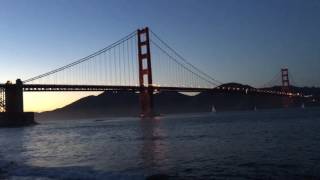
(47, 101)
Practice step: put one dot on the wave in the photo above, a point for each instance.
(13, 170)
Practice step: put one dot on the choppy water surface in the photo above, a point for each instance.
(273, 144)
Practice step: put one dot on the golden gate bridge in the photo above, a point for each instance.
(128, 65)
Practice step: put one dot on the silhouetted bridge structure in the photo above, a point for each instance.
(126, 66)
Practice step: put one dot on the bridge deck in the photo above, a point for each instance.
(66, 87)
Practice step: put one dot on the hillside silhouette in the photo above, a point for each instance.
(116, 104)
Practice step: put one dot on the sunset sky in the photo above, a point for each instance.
(245, 41)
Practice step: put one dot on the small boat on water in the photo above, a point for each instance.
(255, 108)
(302, 106)
(213, 109)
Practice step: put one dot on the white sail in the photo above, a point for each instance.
(213, 109)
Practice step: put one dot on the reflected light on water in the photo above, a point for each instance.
(154, 151)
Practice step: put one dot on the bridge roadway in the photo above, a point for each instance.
(66, 87)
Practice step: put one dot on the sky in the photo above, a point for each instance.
(245, 41)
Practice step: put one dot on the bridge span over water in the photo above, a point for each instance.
(128, 65)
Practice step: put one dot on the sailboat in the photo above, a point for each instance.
(255, 108)
(213, 109)
(302, 106)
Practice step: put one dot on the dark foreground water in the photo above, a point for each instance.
(275, 144)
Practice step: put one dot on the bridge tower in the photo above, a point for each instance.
(145, 73)
(285, 79)
(12, 114)
(14, 97)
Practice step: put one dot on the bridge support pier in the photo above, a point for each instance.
(14, 97)
(13, 106)
(145, 73)
(146, 102)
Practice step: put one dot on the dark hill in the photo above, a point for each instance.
(236, 85)
(127, 103)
